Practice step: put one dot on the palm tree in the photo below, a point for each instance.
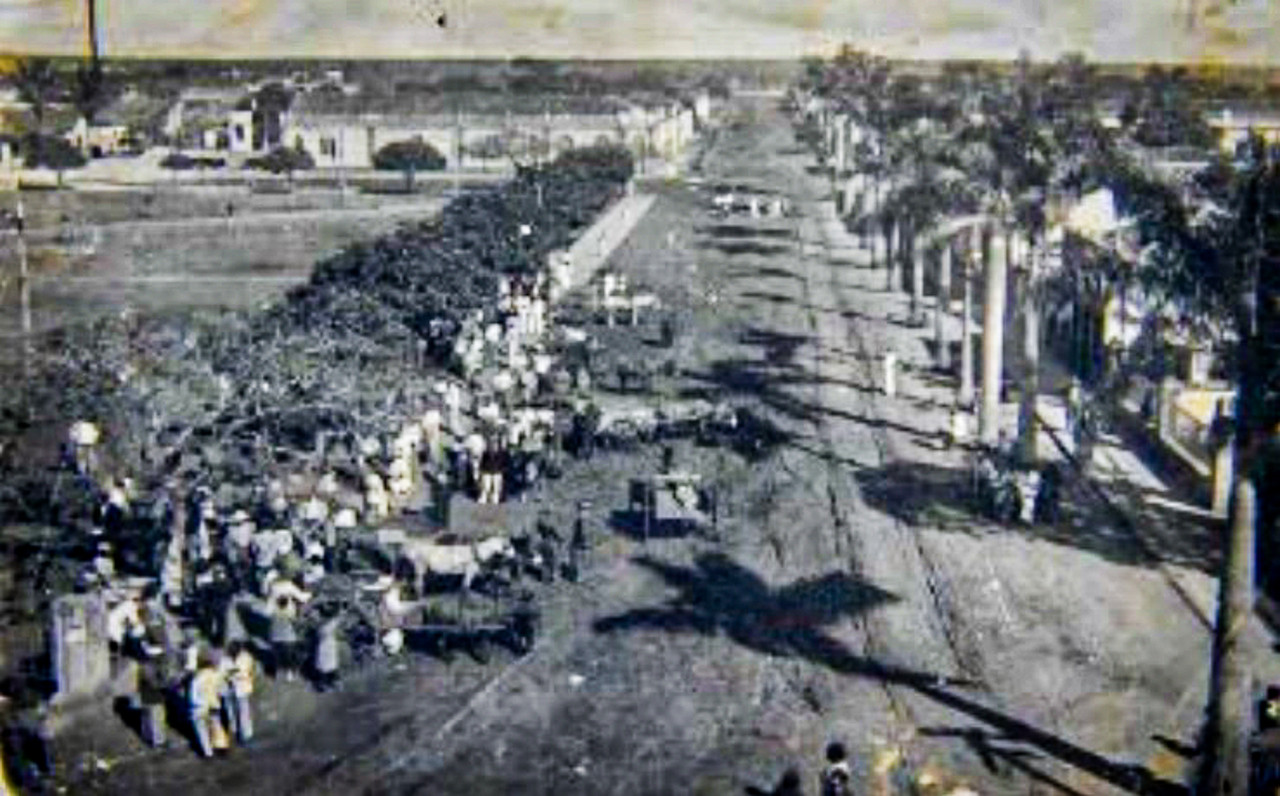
(37, 84)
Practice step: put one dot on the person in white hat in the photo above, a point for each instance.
(84, 438)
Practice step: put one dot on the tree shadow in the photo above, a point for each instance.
(744, 231)
(943, 497)
(718, 596)
(764, 272)
(779, 347)
(747, 247)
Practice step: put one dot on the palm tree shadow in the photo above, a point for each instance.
(718, 596)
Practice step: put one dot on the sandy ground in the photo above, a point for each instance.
(850, 593)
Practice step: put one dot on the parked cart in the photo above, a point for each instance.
(674, 500)
(459, 622)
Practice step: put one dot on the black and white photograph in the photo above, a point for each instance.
(640, 397)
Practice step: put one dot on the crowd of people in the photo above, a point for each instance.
(203, 594)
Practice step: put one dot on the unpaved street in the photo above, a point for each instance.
(851, 595)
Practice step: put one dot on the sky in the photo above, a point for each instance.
(1235, 31)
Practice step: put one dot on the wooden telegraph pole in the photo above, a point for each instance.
(24, 304)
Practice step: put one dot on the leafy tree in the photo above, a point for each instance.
(1163, 111)
(283, 160)
(409, 157)
(51, 152)
(37, 85)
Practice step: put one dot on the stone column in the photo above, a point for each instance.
(917, 254)
(1029, 441)
(965, 395)
(993, 309)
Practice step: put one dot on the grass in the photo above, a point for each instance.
(182, 266)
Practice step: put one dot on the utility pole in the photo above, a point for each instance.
(91, 23)
(24, 308)
(1230, 716)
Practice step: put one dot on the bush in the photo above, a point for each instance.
(178, 162)
(282, 160)
(412, 155)
(51, 152)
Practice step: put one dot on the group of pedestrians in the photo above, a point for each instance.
(219, 697)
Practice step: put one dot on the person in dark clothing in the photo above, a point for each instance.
(548, 537)
(837, 775)
(153, 686)
(492, 465)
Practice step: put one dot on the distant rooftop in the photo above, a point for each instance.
(489, 103)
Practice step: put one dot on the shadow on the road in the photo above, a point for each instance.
(848, 314)
(918, 492)
(735, 248)
(763, 272)
(717, 595)
(993, 749)
(743, 231)
(779, 347)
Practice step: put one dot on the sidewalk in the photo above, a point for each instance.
(1180, 538)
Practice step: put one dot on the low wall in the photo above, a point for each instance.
(590, 252)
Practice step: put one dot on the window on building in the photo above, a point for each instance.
(240, 132)
(328, 147)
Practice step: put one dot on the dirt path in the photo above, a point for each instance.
(851, 593)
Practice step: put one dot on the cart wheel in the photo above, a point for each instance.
(479, 648)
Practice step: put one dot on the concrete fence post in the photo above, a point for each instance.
(1223, 477)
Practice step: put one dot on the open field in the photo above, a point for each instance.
(851, 592)
(183, 263)
(48, 210)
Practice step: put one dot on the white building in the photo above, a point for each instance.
(347, 131)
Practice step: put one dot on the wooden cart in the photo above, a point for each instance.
(674, 499)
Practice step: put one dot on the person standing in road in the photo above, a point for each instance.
(152, 686)
(491, 466)
(238, 669)
(204, 695)
(283, 598)
(326, 660)
(836, 777)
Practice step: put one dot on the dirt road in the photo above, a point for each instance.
(851, 594)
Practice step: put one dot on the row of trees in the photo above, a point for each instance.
(1000, 158)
